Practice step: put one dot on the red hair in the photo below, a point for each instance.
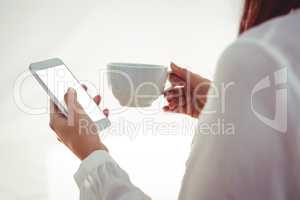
(259, 11)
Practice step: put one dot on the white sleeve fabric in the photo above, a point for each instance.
(100, 178)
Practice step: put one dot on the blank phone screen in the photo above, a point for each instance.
(58, 79)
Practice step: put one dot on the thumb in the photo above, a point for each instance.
(179, 71)
(191, 78)
(71, 101)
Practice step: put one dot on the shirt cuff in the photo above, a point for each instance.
(93, 161)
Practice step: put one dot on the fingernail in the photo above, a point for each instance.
(166, 108)
(71, 90)
(84, 86)
(106, 112)
(165, 93)
(173, 65)
(98, 98)
(172, 106)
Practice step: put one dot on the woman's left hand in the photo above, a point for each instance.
(188, 93)
(77, 131)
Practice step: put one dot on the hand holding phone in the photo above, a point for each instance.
(74, 116)
(82, 140)
(56, 78)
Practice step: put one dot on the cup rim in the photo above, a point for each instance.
(135, 65)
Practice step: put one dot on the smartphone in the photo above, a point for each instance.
(54, 76)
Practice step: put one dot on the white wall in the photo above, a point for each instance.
(87, 35)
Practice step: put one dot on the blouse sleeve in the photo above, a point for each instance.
(99, 177)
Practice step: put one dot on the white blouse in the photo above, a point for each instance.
(247, 144)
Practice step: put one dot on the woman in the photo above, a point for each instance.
(254, 96)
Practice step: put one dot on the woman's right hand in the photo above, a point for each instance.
(188, 93)
(77, 131)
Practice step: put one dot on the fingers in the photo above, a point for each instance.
(59, 140)
(179, 71)
(189, 78)
(174, 103)
(179, 98)
(177, 95)
(185, 75)
(166, 108)
(55, 112)
(176, 98)
(176, 80)
(74, 108)
(179, 109)
(178, 101)
(57, 119)
(97, 99)
(174, 93)
(84, 87)
(71, 99)
(182, 110)
(106, 112)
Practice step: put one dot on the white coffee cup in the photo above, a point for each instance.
(136, 85)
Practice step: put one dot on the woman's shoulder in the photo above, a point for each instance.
(277, 31)
(263, 49)
(246, 61)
